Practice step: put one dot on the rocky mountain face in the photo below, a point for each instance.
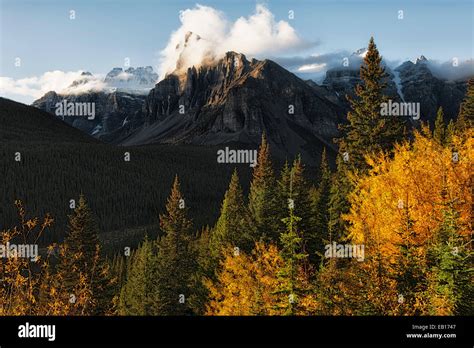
(116, 111)
(418, 84)
(141, 79)
(117, 105)
(343, 81)
(409, 82)
(236, 100)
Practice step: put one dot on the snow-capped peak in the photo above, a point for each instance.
(361, 52)
(421, 59)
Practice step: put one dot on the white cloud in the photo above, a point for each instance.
(449, 71)
(31, 88)
(312, 67)
(258, 34)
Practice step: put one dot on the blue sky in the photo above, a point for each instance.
(105, 31)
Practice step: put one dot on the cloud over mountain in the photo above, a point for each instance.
(30, 88)
(452, 70)
(214, 34)
(132, 80)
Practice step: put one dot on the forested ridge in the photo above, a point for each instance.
(124, 195)
(399, 199)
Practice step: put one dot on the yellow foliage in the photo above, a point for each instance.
(248, 285)
(418, 179)
(33, 287)
(414, 178)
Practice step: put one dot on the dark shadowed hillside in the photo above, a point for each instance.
(59, 162)
(22, 123)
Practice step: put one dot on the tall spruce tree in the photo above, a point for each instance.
(450, 131)
(293, 185)
(176, 261)
(367, 131)
(289, 276)
(263, 196)
(299, 193)
(82, 237)
(233, 227)
(207, 267)
(283, 194)
(318, 234)
(341, 186)
(410, 267)
(135, 293)
(85, 266)
(439, 132)
(451, 258)
(466, 110)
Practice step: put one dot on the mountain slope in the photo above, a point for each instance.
(236, 100)
(113, 111)
(409, 82)
(118, 101)
(59, 162)
(418, 84)
(26, 124)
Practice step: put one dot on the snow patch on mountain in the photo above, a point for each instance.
(132, 81)
(398, 83)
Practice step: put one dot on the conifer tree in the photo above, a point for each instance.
(84, 264)
(410, 267)
(451, 288)
(299, 193)
(83, 232)
(135, 294)
(206, 269)
(289, 276)
(293, 185)
(176, 260)
(318, 234)
(368, 131)
(283, 192)
(439, 132)
(233, 227)
(341, 186)
(450, 132)
(466, 110)
(262, 196)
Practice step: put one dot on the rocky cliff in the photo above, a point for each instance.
(236, 100)
(418, 84)
(118, 103)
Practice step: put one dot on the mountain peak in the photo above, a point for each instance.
(421, 59)
(85, 78)
(234, 99)
(237, 59)
(131, 78)
(361, 52)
